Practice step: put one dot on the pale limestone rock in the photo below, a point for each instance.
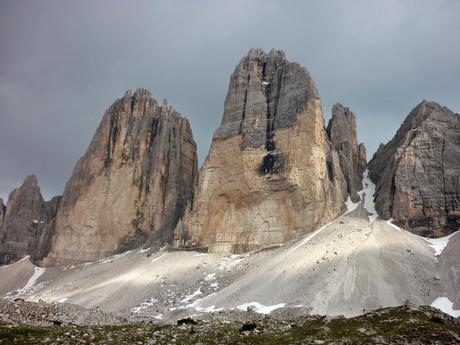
(417, 172)
(129, 189)
(271, 174)
(23, 219)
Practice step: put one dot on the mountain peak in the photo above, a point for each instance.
(417, 170)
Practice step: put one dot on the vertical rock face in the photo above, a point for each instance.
(130, 187)
(271, 174)
(42, 240)
(341, 130)
(24, 218)
(2, 213)
(417, 172)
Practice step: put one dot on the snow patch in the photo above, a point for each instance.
(158, 258)
(260, 308)
(62, 300)
(32, 280)
(367, 193)
(116, 257)
(210, 277)
(439, 244)
(30, 283)
(192, 296)
(144, 305)
(310, 236)
(230, 262)
(144, 250)
(445, 305)
(390, 223)
(211, 309)
(351, 206)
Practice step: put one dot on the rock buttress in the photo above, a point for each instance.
(22, 221)
(131, 186)
(341, 130)
(271, 174)
(417, 172)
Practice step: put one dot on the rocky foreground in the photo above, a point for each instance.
(400, 325)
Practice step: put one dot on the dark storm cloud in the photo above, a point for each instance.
(62, 63)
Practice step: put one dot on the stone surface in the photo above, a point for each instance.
(451, 269)
(130, 187)
(271, 174)
(341, 130)
(24, 218)
(44, 236)
(2, 212)
(48, 314)
(417, 172)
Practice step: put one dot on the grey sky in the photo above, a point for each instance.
(62, 63)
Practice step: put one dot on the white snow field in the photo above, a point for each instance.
(445, 305)
(367, 194)
(439, 244)
(352, 265)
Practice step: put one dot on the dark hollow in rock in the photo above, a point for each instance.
(272, 163)
(248, 326)
(436, 319)
(186, 321)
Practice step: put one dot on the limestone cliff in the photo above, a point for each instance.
(23, 219)
(42, 239)
(341, 130)
(271, 174)
(2, 212)
(417, 172)
(129, 188)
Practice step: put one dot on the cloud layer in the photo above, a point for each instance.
(62, 63)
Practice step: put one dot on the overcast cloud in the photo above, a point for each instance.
(62, 63)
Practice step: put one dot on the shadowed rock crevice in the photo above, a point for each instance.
(342, 132)
(272, 163)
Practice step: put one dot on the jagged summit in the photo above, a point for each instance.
(142, 103)
(271, 174)
(22, 220)
(129, 188)
(30, 180)
(424, 111)
(266, 92)
(416, 172)
(342, 132)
